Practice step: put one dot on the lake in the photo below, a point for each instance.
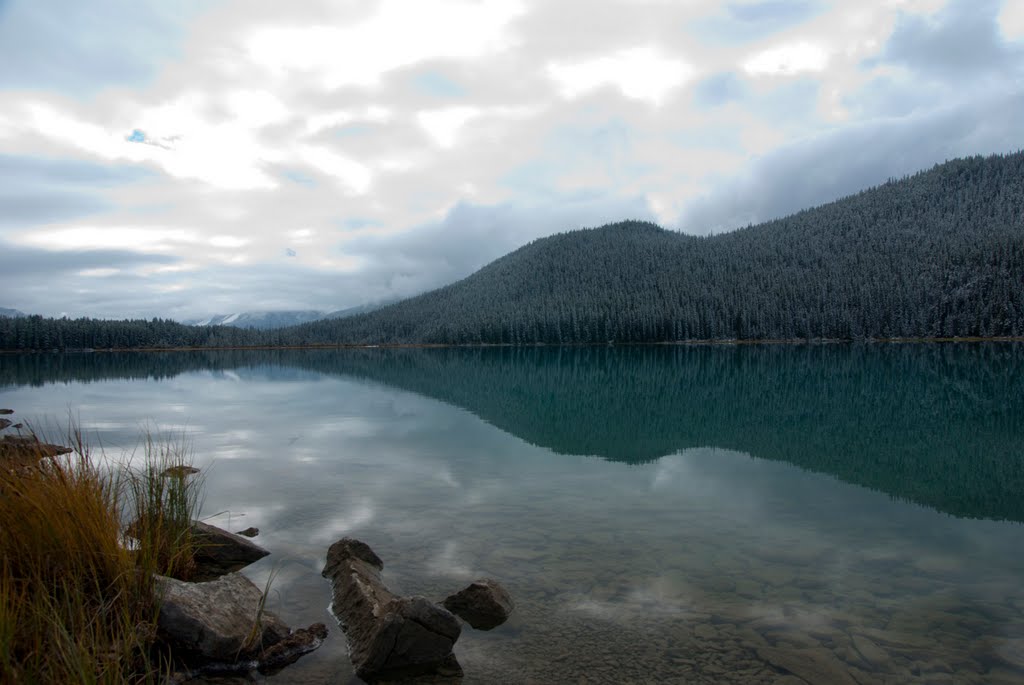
(662, 514)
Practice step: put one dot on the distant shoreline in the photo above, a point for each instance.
(681, 343)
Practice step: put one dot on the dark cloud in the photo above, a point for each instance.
(471, 236)
(35, 190)
(390, 266)
(80, 47)
(886, 96)
(961, 41)
(51, 282)
(824, 168)
(22, 209)
(17, 262)
(741, 22)
(719, 89)
(43, 170)
(772, 13)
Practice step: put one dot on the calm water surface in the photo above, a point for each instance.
(818, 514)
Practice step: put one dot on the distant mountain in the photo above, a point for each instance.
(268, 320)
(937, 254)
(359, 309)
(12, 313)
(264, 320)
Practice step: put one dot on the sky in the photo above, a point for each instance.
(192, 158)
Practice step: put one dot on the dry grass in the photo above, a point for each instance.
(77, 602)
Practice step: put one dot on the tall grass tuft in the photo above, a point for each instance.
(77, 603)
(161, 499)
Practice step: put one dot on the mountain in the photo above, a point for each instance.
(267, 320)
(937, 254)
(11, 313)
(359, 309)
(262, 320)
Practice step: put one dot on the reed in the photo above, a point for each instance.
(77, 599)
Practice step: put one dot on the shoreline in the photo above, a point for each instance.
(370, 346)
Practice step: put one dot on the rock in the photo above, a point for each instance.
(484, 604)
(180, 471)
(249, 532)
(4, 423)
(288, 650)
(28, 447)
(813, 665)
(874, 655)
(219, 552)
(388, 636)
(6, 411)
(216, 621)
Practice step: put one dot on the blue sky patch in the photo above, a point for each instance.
(437, 84)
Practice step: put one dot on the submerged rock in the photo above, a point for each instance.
(288, 650)
(812, 665)
(249, 532)
(219, 552)
(4, 423)
(484, 604)
(389, 636)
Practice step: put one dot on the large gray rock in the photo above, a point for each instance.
(218, 551)
(388, 636)
(484, 604)
(216, 621)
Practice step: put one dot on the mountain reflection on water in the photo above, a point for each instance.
(940, 425)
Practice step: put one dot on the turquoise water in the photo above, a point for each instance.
(752, 514)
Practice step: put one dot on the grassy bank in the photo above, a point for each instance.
(77, 600)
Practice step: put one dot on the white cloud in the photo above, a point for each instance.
(641, 73)
(1011, 19)
(112, 237)
(357, 135)
(443, 124)
(787, 60)
(301, 236)
(351, 174)
(226, 156)
(256, 108)
(99, 273)
(228, 241)
(397, 34)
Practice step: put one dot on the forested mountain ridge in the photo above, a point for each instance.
(936, 254)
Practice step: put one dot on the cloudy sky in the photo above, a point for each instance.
(198, 157)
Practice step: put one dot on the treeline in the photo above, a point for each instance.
(938, 254)
(40, 333)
